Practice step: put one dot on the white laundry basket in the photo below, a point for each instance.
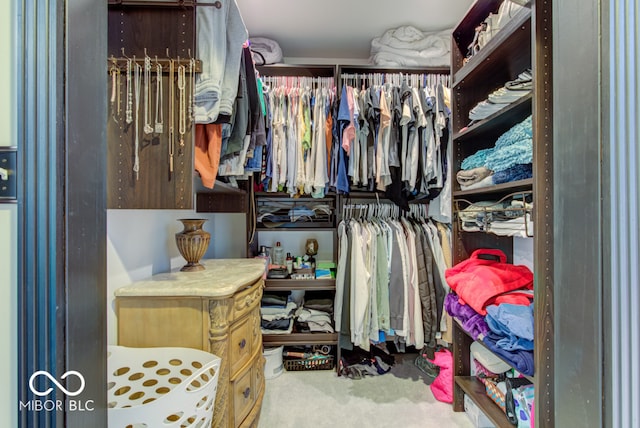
(161, 387)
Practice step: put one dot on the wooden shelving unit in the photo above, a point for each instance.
(502, 59)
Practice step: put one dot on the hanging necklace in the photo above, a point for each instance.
(128, 115)
(182, 113)
(159, 125)
(147, 95)
(171, 113)
(136, 83)
(192, 64)
(115, 92)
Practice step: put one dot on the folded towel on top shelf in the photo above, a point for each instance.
(408, 46)
(266, 51)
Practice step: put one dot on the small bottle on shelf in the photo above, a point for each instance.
(278, 255)
(289, 263)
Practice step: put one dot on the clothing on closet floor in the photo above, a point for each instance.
(357, 363)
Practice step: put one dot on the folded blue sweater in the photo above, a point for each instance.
(513, 147)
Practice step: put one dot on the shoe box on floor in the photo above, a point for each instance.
(474, 413)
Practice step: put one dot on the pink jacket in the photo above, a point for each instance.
(478, 281)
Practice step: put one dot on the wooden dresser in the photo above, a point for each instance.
(217, 310)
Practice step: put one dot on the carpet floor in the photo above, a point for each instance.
(318, 399)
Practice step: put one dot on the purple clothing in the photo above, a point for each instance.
(472, 322)
(521, 360)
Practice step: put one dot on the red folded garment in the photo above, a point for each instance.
(478, 281)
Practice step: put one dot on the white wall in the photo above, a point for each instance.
(141, 243)
(523, 252)
(8, 237)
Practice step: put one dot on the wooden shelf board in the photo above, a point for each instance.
(369, 68)
(518, 109)
(280, 195)
(297, 70)
(296, 226)
(503, 40)
(299, 284)
(300, 339)
(476, 391)
(512, 186)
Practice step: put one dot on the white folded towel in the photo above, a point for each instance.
(407, 45)
(268, 51)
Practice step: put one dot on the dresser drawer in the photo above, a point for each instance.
(240, 344)
(246, 300)
(247, 389)
(244, 395)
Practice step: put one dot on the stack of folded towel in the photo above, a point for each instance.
(408, 46)
(265, 51)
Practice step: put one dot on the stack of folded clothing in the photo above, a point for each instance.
(509, 160)
(506, 329)
(511, 217)
(408, 46)
(511, 91)
(511, 335)
(277, 314)
(472, 322)
(315, 316)
(276, 213)
(502, 295)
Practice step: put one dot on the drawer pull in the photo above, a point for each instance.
(243, 343)
(247, 392)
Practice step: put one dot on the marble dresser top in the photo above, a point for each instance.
(221, 277)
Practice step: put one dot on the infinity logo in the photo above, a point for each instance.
(55, 381)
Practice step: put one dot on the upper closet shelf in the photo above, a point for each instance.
(498, 122)
(510, 47)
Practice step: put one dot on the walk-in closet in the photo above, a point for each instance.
(325, 214)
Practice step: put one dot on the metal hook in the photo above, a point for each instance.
(123, 54)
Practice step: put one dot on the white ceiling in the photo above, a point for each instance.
(342, 28)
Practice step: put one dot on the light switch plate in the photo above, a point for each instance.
(9, 187)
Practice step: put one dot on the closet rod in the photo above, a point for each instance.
(155, 3)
